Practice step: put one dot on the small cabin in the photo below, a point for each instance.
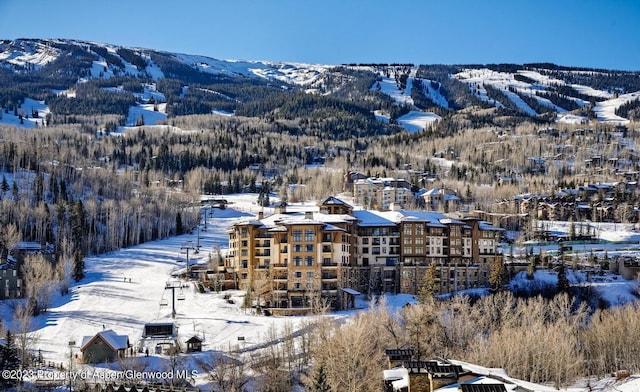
(194, 344)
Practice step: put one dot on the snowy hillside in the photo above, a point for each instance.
(415, 120)
(38, 53)
(531, 82)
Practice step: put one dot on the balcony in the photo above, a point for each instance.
(279, 265)
(265, 252)
(326, 276)
(281, 277)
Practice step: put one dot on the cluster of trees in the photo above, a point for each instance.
(630, 110)
(51, 192)
(91, 99)
(132, 57)
(456, 93)
(9, 360)
(606, 80)
(553, 341)
(110, 58)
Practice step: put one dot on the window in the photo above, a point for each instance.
(297, 248)
(309, 248)
(326, 261)
(244, 263)
(297, 235)
(419, 229)
(308, 261)
(375, 250)
(310, 274)
(407, 230)
(297, 261)
(244, 243)
(365, 250)
(419, 241)
(309, 235)
(408, 250)
(365, 241)
(297, 286)
(298, 274)
(243, 252)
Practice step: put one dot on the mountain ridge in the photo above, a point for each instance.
(198, 84)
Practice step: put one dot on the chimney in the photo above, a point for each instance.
(308, 215)
(261, 215)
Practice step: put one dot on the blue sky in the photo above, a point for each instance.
(590, 33)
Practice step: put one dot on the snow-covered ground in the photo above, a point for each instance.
(26, 110)
(415, 120)
(146, 114)
(125, 289)
(606, 110)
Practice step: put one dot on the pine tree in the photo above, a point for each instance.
(563, 282)
(9, 359)
(4, 186)
(531, 268)
(179, 226)
(78, 226)
(320, 383)
(78, 266)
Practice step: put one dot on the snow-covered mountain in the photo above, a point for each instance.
(37, 69)
(26, 54)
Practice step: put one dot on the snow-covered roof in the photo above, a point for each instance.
(489, 227)
(370, 218)
(112, 339)
(399, 377)
(350, 291)
(334, 200)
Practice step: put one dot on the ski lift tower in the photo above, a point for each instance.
(186, 247)
(173, 285)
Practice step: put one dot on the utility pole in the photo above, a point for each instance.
(72, 343)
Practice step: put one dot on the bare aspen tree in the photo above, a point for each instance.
(38, 277)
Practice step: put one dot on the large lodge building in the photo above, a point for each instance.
(297, 259)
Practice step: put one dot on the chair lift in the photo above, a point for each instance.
(163, 301)
(180, 296)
